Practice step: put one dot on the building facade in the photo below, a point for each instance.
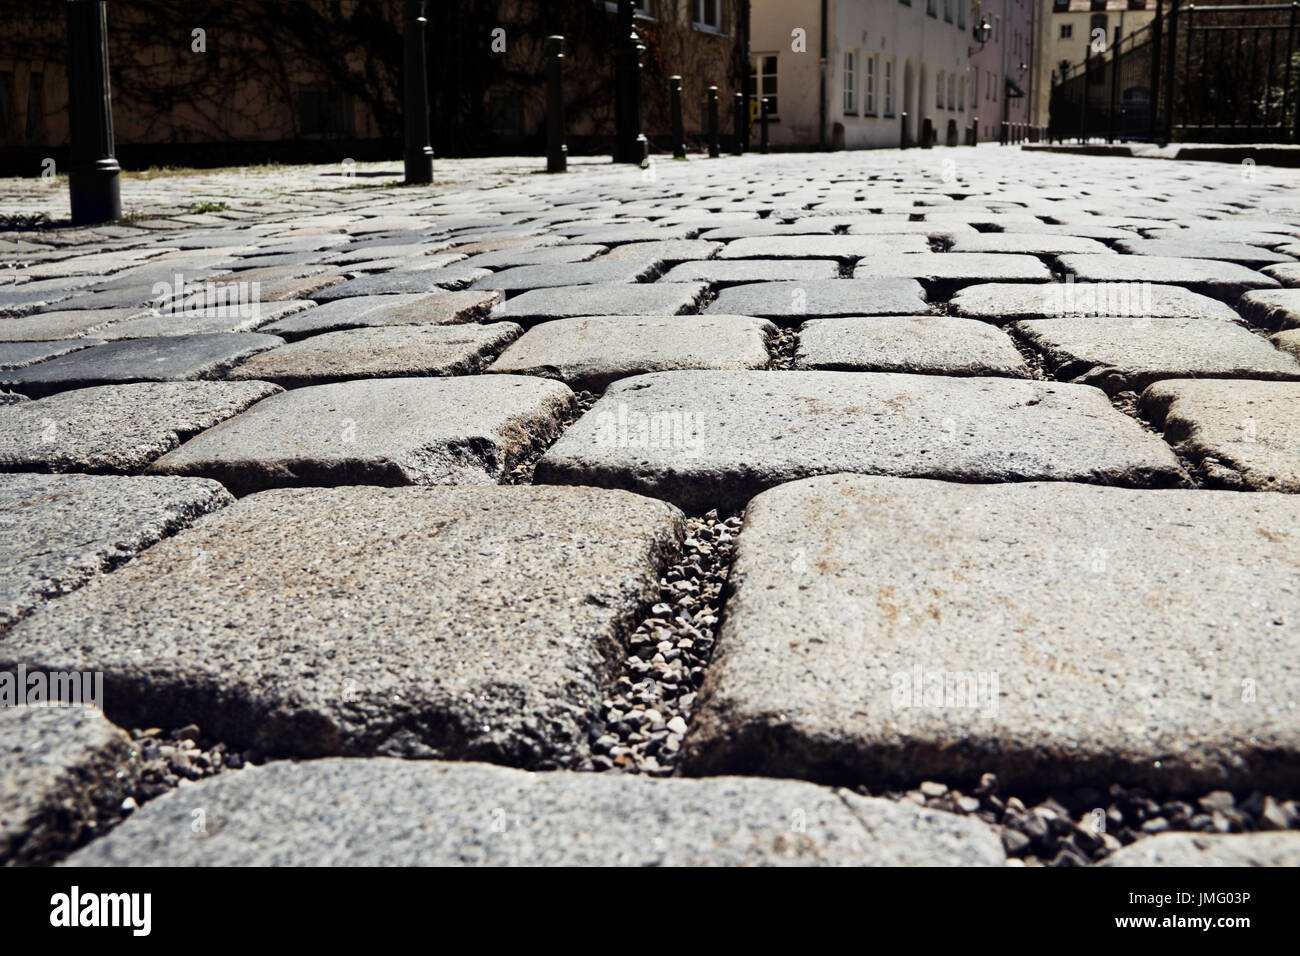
(1001, 75)
(1066, 28)
(231, 82)
(841, 73)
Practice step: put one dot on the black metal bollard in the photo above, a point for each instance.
(93, 177)
(762, 121)
(713, 122)
(679, 133)
(927, 133)
(739, 120)
(557, 153)
(902, 136)
(419, 154)
(630, 144)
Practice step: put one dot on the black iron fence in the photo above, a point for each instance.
(1196, 73)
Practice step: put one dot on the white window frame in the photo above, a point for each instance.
(887, 77)
(757, 61)
(869, 86)
(849, 76)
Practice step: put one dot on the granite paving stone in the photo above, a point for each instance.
(709, 439)
(822, 298)
(619, 298)
(166, 359)
(1237, 252)
(438, 308)
(52, 326)
(823, 247)
(1006, 302)
(384, 352)
(1241, 434)
(64, 772)
(116, 429)
(468, 623)
(1222, 280)
(721, 272)
(1026, 244)
(20, 354)
(232, 317)
(907, 630)
(406, 281)
(1120, 355)
(385, 812)
(930, 344)
(1200, 849)
(1272, 308)
(590, 353)
(399, 431)
(522, 278)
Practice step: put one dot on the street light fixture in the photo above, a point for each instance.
(983, 30)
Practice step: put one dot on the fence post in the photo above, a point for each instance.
(1083, 101)
(675, 103)
(1172, 53)
(1153, 94)
(630, 144)
(419, 154)
(1114, 87)
(557, 153)
(762, 119)
(93, 175)
(739, 120)
(1286, 84)
(713, 122)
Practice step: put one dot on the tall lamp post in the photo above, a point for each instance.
(93, 177)
(419, 154)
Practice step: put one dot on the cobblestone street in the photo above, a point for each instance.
(933, 507)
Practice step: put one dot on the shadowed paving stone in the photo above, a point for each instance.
(405, 282)
(12, 398)
(590, 353)
(1242, 434)
(52, 326)
(168, 359)
(388, 812)
(228, 318)
(544, 255)
(664, 250)
(932, 344)
(1223, 280)
(402, 431)
(948, 270)
(619, 298)
(1029, 244)
(814, 297)
(823, 247)
(1237, 252)
(882, 629)
(1200, 849)
(705, 439)
(116, 428)
(1288, 341)
(1119, 355)
(720, 271)
(64, 772)
(385, 352)
(1287, 273)
(62, 530)
(475, 623)
(1272, 308)
(19, 354)
(1006, 302)
(567, 274)
(439, 308)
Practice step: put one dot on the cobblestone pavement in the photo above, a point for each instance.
(930, 507)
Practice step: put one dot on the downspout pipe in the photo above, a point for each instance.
(821, 98)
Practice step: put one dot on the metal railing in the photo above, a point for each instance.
(1197, 73)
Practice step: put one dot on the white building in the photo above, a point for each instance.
(841, 72)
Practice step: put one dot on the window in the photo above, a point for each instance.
(938, 90)
(961, 14)
(889, 87)
(762, 74)
(323, 114)
(993, 86)
(869, 91)
(1097, 22)
(952, 91)
(708, 13)
(961, 93)
(975, 90)
(641, 8)
(1067, 31)
(929, 7)
(850, 82)
(947, 10)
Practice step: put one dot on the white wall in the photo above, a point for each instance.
(881, 30)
